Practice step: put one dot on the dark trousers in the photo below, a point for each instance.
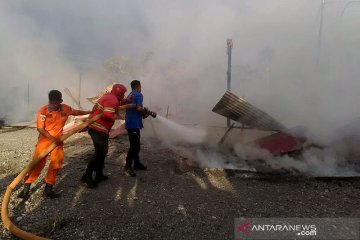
(101, 145)
(134, 150)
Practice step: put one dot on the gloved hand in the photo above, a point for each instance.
(57, 141)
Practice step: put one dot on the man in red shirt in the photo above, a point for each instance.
(108, 105)
(51, 119)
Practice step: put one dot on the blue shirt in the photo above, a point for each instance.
(133, 119)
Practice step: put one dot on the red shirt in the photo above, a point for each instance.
(108, 104)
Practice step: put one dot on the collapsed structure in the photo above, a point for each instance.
(281, 140)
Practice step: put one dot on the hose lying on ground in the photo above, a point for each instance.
(36, 159)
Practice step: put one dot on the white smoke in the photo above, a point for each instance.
(312, 162)
(212, 159)
(193, 135)
(274, 56)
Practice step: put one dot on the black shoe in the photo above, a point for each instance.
(89, 181)
(49, 191)
(139, 166)
(100, 178)
(129, 172)
(25, 192)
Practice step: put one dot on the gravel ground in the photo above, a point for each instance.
(172, 200)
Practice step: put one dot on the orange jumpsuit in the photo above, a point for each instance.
(53, 122)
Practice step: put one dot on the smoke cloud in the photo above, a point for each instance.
(178, 50)
(274, 55)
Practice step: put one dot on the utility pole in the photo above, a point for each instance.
(320, 32)
(79, 96)
(323, 2)
(28, 93)
(229, 49)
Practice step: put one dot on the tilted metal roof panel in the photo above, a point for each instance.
(239, 110)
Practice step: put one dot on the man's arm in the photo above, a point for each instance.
(145, 112)
(127, 106)
(139, 109)
(110, 110)
(76, 112)
(109, 114)
(46, 134)
(40, 125)
(138, 101)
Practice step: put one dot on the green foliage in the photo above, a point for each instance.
(119, 68)
(122, 68)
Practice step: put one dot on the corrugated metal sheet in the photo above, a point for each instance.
(239, 110)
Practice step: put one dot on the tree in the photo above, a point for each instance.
(119, 68)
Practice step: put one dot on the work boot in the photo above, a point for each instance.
(100, 178)
(49, 191)
(139, 166)
(86, 178)
(129, 172)
(25, 192)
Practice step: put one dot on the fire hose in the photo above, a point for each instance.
(36, 159)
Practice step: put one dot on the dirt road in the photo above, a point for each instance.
(169, 201)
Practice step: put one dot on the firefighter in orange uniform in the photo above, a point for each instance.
(108, 105)
(51, 119)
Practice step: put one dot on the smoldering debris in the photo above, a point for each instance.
(312, 161)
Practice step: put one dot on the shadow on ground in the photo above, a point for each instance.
(170, 200)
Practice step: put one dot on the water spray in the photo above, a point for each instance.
(187, 134)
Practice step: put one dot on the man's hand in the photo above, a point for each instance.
(46, 134)
(146, 112)
(57, 141)
(76, 112)
(127, 106)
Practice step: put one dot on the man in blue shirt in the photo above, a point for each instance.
(133, 125)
